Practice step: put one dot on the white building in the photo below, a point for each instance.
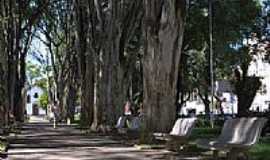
(259, 68)
(224, 90)
(32, 106)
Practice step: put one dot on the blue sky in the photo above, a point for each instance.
(39, 48)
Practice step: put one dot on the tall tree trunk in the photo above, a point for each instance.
(86, 65)
(72, 85)
(71, 102)
(3, 67)
(246, 90)
(12, 85)
(205, 98)
(61, 90)
(112, 89)
(110, 27)
(16, 37)
(20, 90)
(164, 27)
(123, 19)
(97, 124)
(87, 90)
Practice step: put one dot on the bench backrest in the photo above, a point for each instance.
(135, 123)
(242, 131)
(183, 127)
(121, 122)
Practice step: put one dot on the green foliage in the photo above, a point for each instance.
(3, 144)
(44, 100)
(261, 150)
(233, 21)
(2, 147)
(42, 83)
(33, 72)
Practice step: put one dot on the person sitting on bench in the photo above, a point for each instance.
(124, 120)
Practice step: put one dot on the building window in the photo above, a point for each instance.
(263, 89)
(36, 95)
(28, 99)
(194, 95)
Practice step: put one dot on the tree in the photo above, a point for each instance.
(229, 29)
(163, 31)
(56, 27)
(104, 31)
(4, 106)
(33, 72)
(246, 85)
(85, 52)
(44, 100)
(18, 17)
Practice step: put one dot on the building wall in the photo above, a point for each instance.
(229, 106)
(34, 100)
(261, 69)
(258, 67)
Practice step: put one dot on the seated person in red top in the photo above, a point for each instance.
(129, 120)
(127, 109)
(126, 118)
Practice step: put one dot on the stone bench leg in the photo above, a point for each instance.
(246, 154)
(170, 145)
(174, 145)
(215, 154)
(234, 153)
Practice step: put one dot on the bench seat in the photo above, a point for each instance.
(237, 136)
(179, 134)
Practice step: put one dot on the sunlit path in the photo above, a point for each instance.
(134, 79)
(40, 141)
(38, 119)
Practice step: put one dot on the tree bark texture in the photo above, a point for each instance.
(17, 31)
(121, 22)
(163, 27)
(86, 65)
(246, 90)
(3, 67)
(109, 27)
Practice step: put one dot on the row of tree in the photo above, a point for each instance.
(105, 52)
(17, 25)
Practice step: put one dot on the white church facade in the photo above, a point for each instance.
(32, 102)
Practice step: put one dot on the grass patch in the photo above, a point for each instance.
(3, 146)
(261, 150)
(198, 133)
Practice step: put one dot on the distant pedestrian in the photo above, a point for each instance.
(55, 114)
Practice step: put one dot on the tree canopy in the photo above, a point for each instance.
(100, 54)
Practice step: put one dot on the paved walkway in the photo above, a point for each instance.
(40, 141)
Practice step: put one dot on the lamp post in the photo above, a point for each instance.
(211, 60)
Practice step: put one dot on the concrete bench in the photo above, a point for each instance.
(132, 123)
(3, 140)
(236, 138)
(179, 134)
